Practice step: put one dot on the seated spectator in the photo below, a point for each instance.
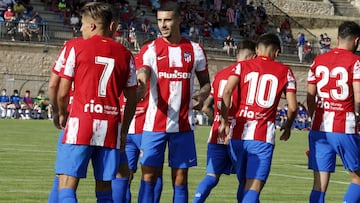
(14, 105)
(30, 29)
(119, 35)
(10, 20)
(27, 105)
(229, 45)
(19, 8)
(74, 22)
(41, 106)
(4, 102)
(133, 38)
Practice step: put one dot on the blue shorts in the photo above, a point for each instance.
(251, 158)
(218, 159)
(182, 152)
(324, 146)
(73, 160)
(132, 150)
(58, 148)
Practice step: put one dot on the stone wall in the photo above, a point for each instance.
(27, 66)
(304, 8)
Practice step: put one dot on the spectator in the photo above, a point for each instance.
(308, 52)
(193, 31)
(74, 22)
(230, 18)
(27, 104)
(229, 45)
(42, 106)
(327, 42)
(133, 38)
(14, 105)
(4, 102)
(285, 27)
(62, 9)
(300, 45)
(3, 7)
(18, 8)
(10, 20)
(322, 44)
(31, 28)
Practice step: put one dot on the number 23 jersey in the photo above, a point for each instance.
(333, 74)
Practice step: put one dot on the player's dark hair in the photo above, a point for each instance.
(99, 11)
(170, 6)
(269, 39)
(247, 44)
(348, 29)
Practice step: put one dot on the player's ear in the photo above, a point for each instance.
(276, 52)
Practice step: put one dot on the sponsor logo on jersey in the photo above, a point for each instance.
(175, 75)
(245, 112)
(92, 107)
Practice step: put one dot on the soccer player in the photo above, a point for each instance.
(251, 138)
(100, 70)
(170, 63)
(53, 87)
(218, 159)
(333, 101)
(132, 149)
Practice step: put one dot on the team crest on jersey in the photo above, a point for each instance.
(187, 57)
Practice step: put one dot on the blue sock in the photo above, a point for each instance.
(119, 187)
(317, 196)
(204, 188)
(158, 189)
(240, 192)
(147, 189)
(67, 195)
(54, 194)
(352, 194)
(181, 193)
(251, 196)
(128, 194)
(104, 197)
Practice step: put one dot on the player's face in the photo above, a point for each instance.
(87, 26)
(168, 23)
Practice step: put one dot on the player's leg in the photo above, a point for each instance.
(53, 196)
(132, 151)
(153, 146)
(348, 149)
(218, 162)
(259, 157)
(121, 183)
(182, 155)
(106, 163)
(72, 165)
(322, 159)
(159, 185)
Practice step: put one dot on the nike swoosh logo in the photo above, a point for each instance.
(160, 57)
(191, 160)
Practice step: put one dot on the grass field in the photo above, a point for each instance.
(27, 154)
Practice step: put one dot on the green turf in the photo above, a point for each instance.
(27, 154)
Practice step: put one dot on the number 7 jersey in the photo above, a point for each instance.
(333, 74)
(262, 81)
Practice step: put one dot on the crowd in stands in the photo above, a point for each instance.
(20, 18)
(301, 122)
(26, 107)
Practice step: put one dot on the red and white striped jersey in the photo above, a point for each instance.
(333, 74)
(217, 88)
(100, 69)
(173, 68)
(262, 81)
(59, 64)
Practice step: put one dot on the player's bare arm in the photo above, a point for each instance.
(310, 99)
(143, 74)
(208, 108)
(52, 91)
(225, 104)
(129, 111)
(63, 100)
(356, 87)
(291, 114)
(204, 91)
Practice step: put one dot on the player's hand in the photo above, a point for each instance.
(123, 137)
(56, 120)
(198, 102)
(224, 131)
(286, 134)
(141, 90)
(62, 121)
